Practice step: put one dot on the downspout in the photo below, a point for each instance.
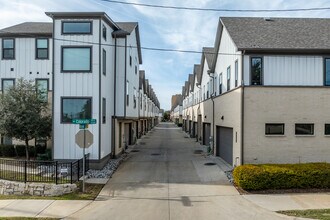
(100, 95)
(212, 98)
(242, 110)
(53, 90)
(125, 77)
(115, 101)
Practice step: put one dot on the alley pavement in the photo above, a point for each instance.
(165, 177)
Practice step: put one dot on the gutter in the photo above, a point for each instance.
(125, 83)
(242, 110)
(113, 150)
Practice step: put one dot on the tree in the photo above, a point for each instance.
(24, 114)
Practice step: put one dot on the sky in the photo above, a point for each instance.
(162, 28)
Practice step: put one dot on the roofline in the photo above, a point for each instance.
(285, 51)
(25, 35)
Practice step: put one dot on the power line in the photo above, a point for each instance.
(216, 9)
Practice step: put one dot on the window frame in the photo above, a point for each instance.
(104, 62)
(220, 83)
(127, 93)
(274, 124)
(3, 49)
(313, 129)
(36, 84)
(104, 110)
(228, 77)
(75, 97)
(4, 79)
(78, 71)
(77, 33)
(104, 32)
(325, 125)
(236, 72)
(325, 70)
(261, 73)
(36, 48)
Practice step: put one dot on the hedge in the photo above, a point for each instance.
(10, 151)
(283, 176)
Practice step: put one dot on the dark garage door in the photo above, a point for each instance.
(225, 144)
(206, 133)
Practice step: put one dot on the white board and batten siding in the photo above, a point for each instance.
(75, 85)
(25, 65)
(288, 70)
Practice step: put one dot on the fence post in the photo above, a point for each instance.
(56, 172)
(25, 171)
(78, 170)
(71, 172)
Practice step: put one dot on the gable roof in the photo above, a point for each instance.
(127, 26)
(279, 33)
(28, 29)
(208, 55)
(197, 73)
(191, 82)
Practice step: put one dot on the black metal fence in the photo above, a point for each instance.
(43, 171)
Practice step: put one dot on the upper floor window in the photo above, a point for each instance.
(76, 59)
(327, 71)
(274, 129)
(228, 78)
(204, 92)
(104, 110)
(104, 62)
(220, 83)
(134, 97)
(256, 71)
(104, 32)
(76, 27)
(236, 73)
(42, 89)
(327, 129)
(208, 90)
(41, 48)
(76, 108)
(304, 129)
(6, 84)
(127, 93)
(8, 49)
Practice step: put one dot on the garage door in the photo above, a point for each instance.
(225, 144)
(206, 133)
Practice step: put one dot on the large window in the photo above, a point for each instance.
(327, 129)
(104, 62)
(304, 129)
(76, 59)
(76, 108)
(8, 49)
(236, 73)
(104, 32)
(127, 93)
(6, 84)
(208, 90)
(327, 71)
(41, 48)
(42, 89)
(220, 83)
(104, 110)
(134, 97)
(228, 78)
(274, 129)
(76, 27)
(256, 71)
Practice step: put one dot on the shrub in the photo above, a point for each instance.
(283, 176)
(19, 150)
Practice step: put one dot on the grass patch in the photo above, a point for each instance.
(323, 214)
(91, 192)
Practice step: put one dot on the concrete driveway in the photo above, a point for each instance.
(167, 180)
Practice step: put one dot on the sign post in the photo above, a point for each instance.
(84, 139)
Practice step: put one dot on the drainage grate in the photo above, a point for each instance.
(135, 151)
(198, 151)
(155, 154)
(209, 164)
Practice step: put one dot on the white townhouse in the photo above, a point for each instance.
(26, 52)
(268, 85)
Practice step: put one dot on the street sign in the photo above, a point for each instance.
(84, 142)
(84, 121)
(83, 126)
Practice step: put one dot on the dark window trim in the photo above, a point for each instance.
(236, 72)
(45, 79)
(325, 129)
(228, 78)
(78, 71)
(75, 97)
(36, 48)
(313, 131)
(3, 79)
(14, 48)
(270, 124)
(220, 84)
(324, 70)
(106, 30)
(262, 70)
(77, 33)
(104, 110)
(104, 62)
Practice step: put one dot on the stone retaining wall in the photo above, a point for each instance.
(35, 189)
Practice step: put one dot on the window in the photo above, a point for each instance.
(220, 83)
(327, 71)
(134, 97)
(256, 71)
(76, 59)
(104, 110)
(236, 73)
(141, 101)
(228, 78)
(76, 108)
(104, 62)
(135, 70)
(6, 84)
(42, 48)
(130, 60)
(104, 32)
(42, 89)
(204, 92)
(208, 90)
(75, 27)
(304, 129)
(215, 85)
(8, 49)
(327, 129)
(274, 129)
(127, 93)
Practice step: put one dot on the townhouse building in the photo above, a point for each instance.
(90, 66)
(262, 96)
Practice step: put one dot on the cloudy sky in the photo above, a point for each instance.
(162, 28)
